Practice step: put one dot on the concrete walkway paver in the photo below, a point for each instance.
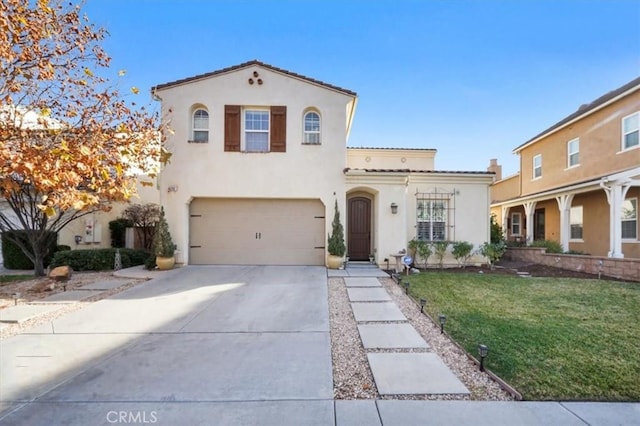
(368, 295)
(362, 282)
(413, 373)
(68, 297)
(22, 313)
(357, 413)
(385, 311)
(106, 284)
(390, 336)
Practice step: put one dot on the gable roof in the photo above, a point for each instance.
(585, 110)
(254, 62)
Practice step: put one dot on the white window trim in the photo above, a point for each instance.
(305, 132)
(576, 240)
(569, 153)
(195, 129)
(637, 238)
(623, 134)
(533, 170)
(243, 138)
(519, 215)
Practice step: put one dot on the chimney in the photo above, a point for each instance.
(495, 168)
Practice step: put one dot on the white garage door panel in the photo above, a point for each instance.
(256, 231)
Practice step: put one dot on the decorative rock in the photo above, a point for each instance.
(61, 273)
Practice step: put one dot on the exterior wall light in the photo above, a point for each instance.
(77, 239)
(442, 319)
(394, 208)
(483, 351)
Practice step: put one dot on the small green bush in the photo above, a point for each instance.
(14, 258)
(62, 247)
(440, 249)
(493, 252)
(99, 259)
(550, 245)
(461, 250)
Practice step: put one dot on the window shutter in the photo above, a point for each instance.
(232, 128)
(278, 129)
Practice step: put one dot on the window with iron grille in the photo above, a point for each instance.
(435, 216)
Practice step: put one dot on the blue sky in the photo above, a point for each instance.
(472, 79)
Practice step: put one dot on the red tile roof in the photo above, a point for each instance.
(248, 64)
(422, 171)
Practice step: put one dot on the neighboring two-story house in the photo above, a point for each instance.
(579, 180)
(260, 157)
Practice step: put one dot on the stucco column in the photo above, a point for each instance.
(505, 221)
(529, 210)
(616, 191)
(564, 204)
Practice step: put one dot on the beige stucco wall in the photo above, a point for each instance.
(412, 159)
(600, 149)
(100, 220)
(471, 214)
(205, 170)
(506, 189)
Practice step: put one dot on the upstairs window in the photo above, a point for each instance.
(573, 152)
(537, 166)
(311, 128)
(200, 126)
(630, 130)
(575, 220)
(630, 219)
(256, 130)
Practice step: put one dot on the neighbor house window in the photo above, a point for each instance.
(516, 224)
(573, 152)
(630, 130)
(311, 128)
(200, 126)
(630, 219)
(256, 130)
(537, 166)
(432, 220)
(575, 220)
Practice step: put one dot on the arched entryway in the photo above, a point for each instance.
(359, 227)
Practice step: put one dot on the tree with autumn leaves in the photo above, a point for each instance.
(70, 142)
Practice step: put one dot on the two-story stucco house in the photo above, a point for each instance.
(260, 157)
(579, 180)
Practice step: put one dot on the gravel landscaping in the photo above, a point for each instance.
(351, 373)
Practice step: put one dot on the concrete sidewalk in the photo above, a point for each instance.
(225, 346)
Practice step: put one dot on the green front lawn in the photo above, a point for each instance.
(550, 338)
(13, 278)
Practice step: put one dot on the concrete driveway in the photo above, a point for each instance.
(199, 345)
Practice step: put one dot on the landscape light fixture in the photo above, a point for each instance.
(483, 350)
(406, 286)
(16, 296)
(442, 318)
(422, 303)
(394, 208)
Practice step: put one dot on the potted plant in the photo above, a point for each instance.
(163, 246)
(336, 247)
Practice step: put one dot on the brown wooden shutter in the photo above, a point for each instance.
(278, 129)
(232, 128)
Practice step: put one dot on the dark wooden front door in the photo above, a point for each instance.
(538, 228)
(359, 239)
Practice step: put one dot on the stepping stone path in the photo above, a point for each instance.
(382, 326)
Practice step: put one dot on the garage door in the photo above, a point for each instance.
(256, 232)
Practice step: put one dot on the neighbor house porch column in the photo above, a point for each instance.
(616, 191)
(564, 204)
(505, 221)
(529, 210)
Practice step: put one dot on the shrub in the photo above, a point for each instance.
(497, 233)
(336, 239)
(144, 218)
(419, 249)
(550, 245)
(118, 228)
(493, 252)
(462, 252)
(162, 243)
(62, 247)
(440, 249)
(99, 259)
(12, 255)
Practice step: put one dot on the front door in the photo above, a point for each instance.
(538, 227)
(359, 228)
